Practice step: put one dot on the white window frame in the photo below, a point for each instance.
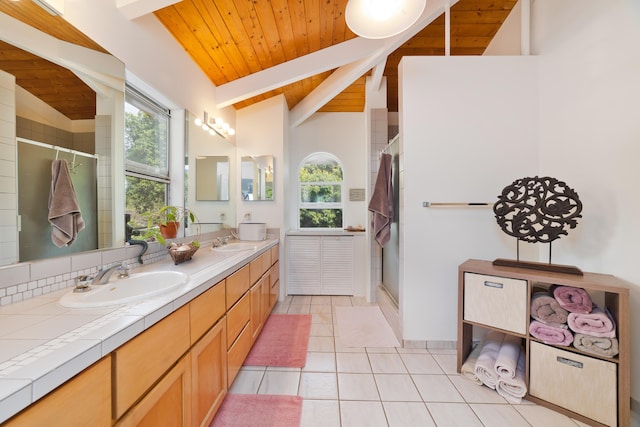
(319, 206)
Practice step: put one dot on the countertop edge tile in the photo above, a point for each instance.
(18, 397)
(67, 370)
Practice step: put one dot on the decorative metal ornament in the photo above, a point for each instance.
(537, 209)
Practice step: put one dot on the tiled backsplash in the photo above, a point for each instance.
(26, 280)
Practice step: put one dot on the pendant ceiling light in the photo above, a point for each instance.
(378, 19)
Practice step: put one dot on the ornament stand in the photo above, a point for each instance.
(540, 266)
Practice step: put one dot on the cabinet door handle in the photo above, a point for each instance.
(493, 284)
(569, 362)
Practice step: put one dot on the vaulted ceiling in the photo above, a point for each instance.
(253, 50)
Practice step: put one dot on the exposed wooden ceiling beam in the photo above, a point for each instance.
(133, 9)
(347, 74)
(83, 61)
(295, 70)
(377, 73)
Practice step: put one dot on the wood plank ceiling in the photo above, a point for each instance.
(231, 39)
(53, 84)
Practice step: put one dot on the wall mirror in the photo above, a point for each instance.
(257, 174)
(212, 178)
(209, 177)
(67, 121)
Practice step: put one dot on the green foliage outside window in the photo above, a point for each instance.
(321, 193)
(146, 145)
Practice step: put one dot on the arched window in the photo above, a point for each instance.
(320, 187)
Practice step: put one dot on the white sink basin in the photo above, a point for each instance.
(236, 247)
(121, 291)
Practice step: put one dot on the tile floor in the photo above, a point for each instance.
(350, 387)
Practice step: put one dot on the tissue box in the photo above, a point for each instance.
(252, 231)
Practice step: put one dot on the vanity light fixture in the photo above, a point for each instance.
(379, 19)
(215, 126)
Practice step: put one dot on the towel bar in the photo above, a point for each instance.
(455, 204)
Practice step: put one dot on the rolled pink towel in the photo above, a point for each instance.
(551, 333)
(545, 308)
(575, 300)
(597, 323)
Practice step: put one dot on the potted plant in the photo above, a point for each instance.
(164, 223)
(169, 221)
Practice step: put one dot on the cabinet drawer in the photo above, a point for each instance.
(236, 285)
(83, 401)
(275, 273)
(237, 318)
(275, 294)
(206, 309)
(237, 353)
(167, 404)
(496, 301)
(275, 254)
(579, 383)
(139, 363)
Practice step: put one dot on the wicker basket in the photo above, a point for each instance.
(179, 255)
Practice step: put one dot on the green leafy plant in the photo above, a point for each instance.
(167, 216)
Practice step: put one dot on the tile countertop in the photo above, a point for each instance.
(43, 344)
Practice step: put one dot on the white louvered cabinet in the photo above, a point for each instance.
(320, 265)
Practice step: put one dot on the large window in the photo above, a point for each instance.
(146, 147)
(320, 202)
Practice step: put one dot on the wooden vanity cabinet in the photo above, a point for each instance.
(140, 362)
(206, 310)
(236, 285)
(177, 372)
(168, 403)
(84, 400)
(208, 326)
(257, 306)
(208, 374)
(274, 292)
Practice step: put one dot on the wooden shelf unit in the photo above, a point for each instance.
(611, 291)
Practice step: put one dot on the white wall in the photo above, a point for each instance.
(343, 135)
(262, 131)
(468, 128)
(589, 133)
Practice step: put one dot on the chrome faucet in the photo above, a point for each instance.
(220, 241)
(104, 274)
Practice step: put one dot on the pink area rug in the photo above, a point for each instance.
(259, 410)
(283, 342)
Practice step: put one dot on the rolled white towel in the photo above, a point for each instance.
(514, 389)
(507, 359)
(468, 369)
(485, 370)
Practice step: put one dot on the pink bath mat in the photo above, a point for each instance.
(283, 342)
(259, 410)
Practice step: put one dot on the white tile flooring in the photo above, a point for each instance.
(350, 387)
